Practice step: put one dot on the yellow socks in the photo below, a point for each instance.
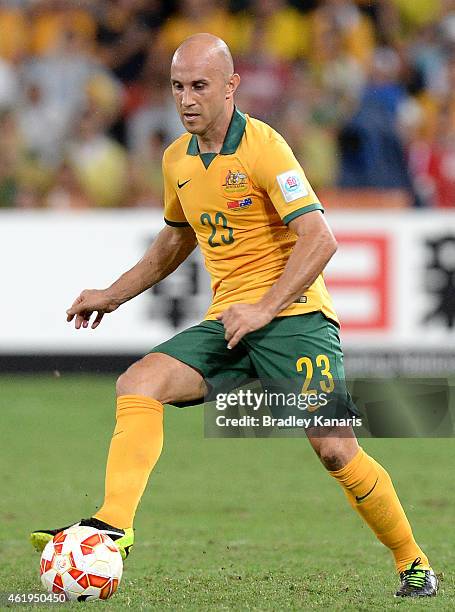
(370, 491)
(136, 445)
(135, 448)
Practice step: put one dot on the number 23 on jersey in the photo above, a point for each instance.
(221, 233)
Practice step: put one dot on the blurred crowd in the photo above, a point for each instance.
(363, 90)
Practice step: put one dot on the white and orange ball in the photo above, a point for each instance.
(81, 563)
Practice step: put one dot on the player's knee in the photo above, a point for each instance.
(336, 452)
(138, 380)
(331, 460)
(335, 446)
(122, 385)
(329, 450)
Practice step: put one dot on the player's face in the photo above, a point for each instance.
(200, 92)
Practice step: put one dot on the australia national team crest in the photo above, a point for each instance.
(240, 204)
(235, 181)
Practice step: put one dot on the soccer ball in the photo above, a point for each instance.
(82, 564)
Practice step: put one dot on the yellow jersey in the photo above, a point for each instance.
(239, 203)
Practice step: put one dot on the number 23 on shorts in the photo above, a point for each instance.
(323, 365)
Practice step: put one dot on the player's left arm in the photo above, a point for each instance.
(312, 251)
(280, 175)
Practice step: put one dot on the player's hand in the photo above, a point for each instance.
(241, 319)
(90, 301)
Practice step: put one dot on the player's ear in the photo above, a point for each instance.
(232, 85)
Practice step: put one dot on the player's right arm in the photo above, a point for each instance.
(170, 248)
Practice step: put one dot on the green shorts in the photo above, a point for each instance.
(298, 354)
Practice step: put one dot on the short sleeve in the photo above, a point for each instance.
(279, 173)
(173, 212)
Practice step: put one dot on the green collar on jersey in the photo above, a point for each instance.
(232, 139)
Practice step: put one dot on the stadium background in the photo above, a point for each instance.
(364, 93)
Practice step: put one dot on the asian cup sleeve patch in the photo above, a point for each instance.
(292, 185)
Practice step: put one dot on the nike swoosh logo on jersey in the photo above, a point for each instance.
(180, 185)
(359, 499)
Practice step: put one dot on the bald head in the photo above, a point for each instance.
(205, 49)
(203, 84)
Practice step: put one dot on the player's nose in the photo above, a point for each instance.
(187, 97)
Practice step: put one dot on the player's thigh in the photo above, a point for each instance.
(180, 370)
(301, 356)
(163, 378)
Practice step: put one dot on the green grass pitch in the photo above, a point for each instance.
(250, 524)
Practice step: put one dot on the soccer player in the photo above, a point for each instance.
(234, 187)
